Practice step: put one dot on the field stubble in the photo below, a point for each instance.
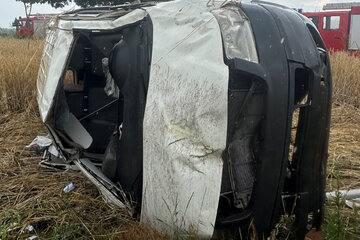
(29, 195)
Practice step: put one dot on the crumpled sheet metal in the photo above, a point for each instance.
(56, 51)
(132, 17)
(185, 120)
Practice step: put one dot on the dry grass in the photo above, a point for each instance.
(35, 195)
(344, 147)
(344, 152)
(29, 195)
(346, 75)
(18, 72)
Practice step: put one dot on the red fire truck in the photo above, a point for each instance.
(35, 24)
(339, 25)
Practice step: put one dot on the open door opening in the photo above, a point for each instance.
(100, 104)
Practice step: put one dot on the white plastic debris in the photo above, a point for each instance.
(354, 203)
(69, 188)
(29, 228)
(52, 149)
(352, 197)
(111, 89)
(347, 194)
(39, 144)
(32, 237)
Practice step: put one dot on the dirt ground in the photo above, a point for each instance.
(32, 195)
(35, 194)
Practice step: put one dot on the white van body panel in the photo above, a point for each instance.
(185, 121)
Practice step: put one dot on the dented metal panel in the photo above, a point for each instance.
(108, 196)
(94, 24)
(185, 120)
(56, 51)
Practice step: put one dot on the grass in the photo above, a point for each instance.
(30, 195)
(344, 148)
(340, 225)
(346, 75)
(18, 72)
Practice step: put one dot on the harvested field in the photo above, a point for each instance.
(18, 71)
(344, 149)
(344, 153)
(30, 195)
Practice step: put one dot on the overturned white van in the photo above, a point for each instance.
(194, 117)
